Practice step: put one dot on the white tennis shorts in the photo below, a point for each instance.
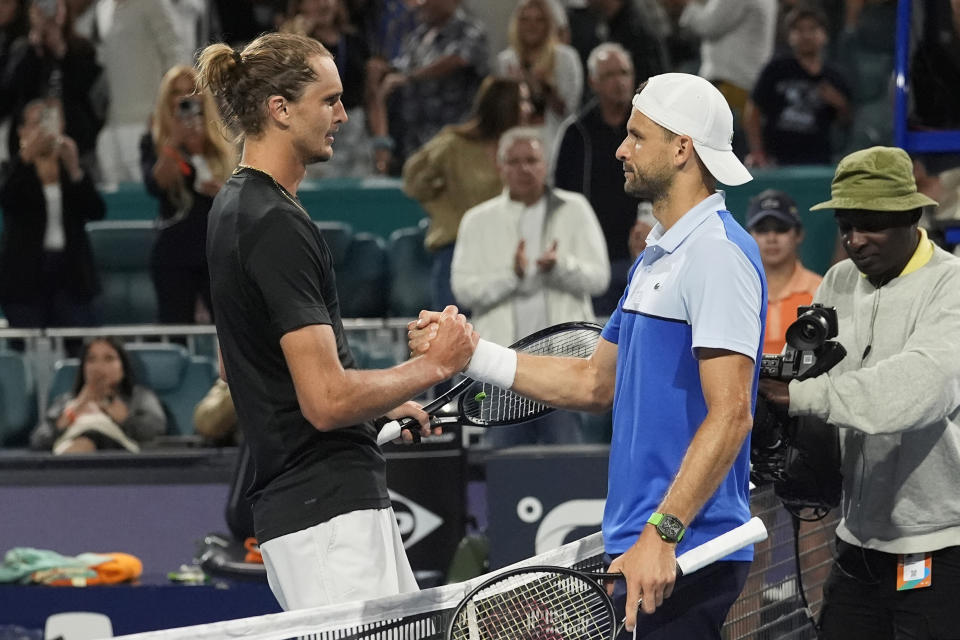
(355, 556)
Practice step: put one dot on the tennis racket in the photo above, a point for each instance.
(556, 603)
(485, 405)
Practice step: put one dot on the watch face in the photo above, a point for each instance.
(670, 527)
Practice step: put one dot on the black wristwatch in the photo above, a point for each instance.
(669, 527)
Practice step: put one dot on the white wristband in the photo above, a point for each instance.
(493, 363)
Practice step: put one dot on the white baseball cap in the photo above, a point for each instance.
(689, 105)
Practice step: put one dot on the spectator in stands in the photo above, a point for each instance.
(13, 25)
(530, 258)
(185, 160)
(53, 61)
(49, 278)
(895, 398)
(798, 99)
(328, 22)
(106, 409)
(457, 170)
(586, 161)
(385, 24)
(435, 78)
(137, 46)
(552, 70)
(191, 22)
(627, 24)
(683, 46)
(736, 40)
(774, 223)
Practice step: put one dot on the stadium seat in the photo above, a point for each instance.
(409, 269)
(121, 251)
(371, 356)
(179, 380)
(360, 265)
(64, 373)
(338, 236)
(362, 278)
(18, 400)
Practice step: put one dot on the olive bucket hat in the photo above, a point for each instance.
(875, 179)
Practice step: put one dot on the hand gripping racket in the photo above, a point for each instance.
(556, 603)
(485, 405)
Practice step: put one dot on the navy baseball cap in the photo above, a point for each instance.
(773, 204)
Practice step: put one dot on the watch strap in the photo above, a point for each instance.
(657, 519)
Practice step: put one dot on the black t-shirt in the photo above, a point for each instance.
(587, 163)
(797, 120)
(271, 273)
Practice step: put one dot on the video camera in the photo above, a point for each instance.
(810, 350)
(800, 456)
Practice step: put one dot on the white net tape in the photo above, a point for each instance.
(402, 617)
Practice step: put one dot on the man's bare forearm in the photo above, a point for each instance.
(707, 461)
(569, 383)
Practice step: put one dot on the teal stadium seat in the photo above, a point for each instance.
(360, 263)
(179, 380)
(18, 400)
(121, 251)
(409, 269)
(64, 373)
(338, 236)
(362, 278)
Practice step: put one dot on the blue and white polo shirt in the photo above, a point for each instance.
(699, 284)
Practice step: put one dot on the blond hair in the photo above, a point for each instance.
(219, 153)
(242, 81)
(542, 58)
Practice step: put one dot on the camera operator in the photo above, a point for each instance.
(896, 400)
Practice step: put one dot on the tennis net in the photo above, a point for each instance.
(769, 608)
(417, 616)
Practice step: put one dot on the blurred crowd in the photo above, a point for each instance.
(95, 93)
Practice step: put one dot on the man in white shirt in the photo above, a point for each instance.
(528, 259)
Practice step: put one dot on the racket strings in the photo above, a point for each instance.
(484, 403)
(536, 606)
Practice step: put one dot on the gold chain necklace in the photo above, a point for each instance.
(280, 187)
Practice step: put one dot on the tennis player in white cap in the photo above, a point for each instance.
(677, 362)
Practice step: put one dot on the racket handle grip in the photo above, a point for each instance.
(391, 430)
(721, 546)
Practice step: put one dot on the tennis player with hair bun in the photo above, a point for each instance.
(677, 361)
(320, 504)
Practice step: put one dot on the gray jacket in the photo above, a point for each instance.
(898, 407)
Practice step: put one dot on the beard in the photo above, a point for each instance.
(653, 186)
(311, 153)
